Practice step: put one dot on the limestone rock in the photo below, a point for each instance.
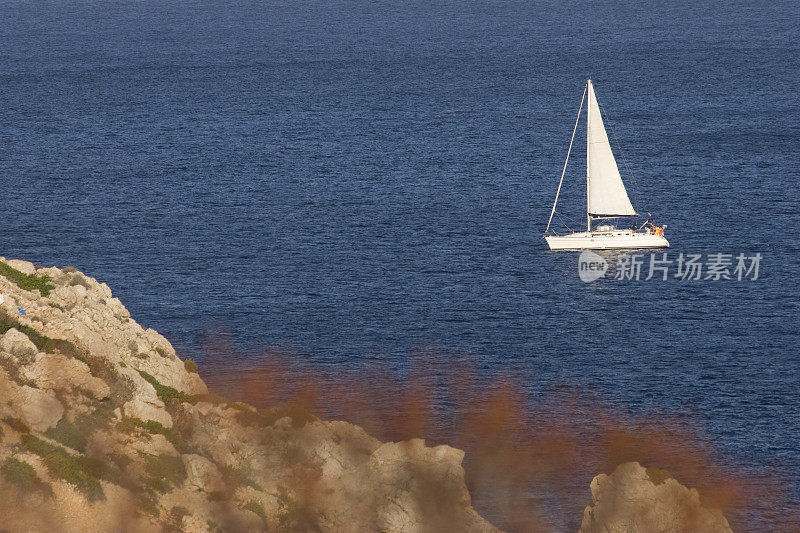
(629, 500)
(37, 408)
(145, 409)
(26, 267)
(17, 344)
(69, 296)
(171, 372)
(56, 371)
(202, 474)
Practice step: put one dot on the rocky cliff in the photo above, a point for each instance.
(104, 428)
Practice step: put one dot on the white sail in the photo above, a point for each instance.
(605, 192)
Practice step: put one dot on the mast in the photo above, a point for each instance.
(558, 191)
(588, 141)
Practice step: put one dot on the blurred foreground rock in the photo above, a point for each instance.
(635, 498)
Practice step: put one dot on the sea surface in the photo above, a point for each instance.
(353, 182)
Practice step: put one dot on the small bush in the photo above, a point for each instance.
(17, 425)
(122, 364)
(81, 472)
(121, 461)
(167, 394)
(28, 282)
(150, 427)
(150, 506)
(158, 485)
(105, 471)
(78, 278)
(68, 434)
(255, 507)
(127, 425)
(100, 418)
(167, 467)
(190, 366)
(22, 475)
(238, 475)
(176, 517)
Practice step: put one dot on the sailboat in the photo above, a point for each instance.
(606, 197)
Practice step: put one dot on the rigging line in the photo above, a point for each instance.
(557, 214)
(622, 153)
(564, 222)
(565, 217)
(564, 170)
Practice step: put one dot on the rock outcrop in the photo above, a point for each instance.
(104, 428)
(634, 498)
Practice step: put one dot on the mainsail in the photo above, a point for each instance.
(605, 192)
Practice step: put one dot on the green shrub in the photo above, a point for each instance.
(190, 366)
(159, 485)
(105, 471)
(81, 472)
(100, 418)
(167, 394)
(22, 475)
(127, 425)
(121, 461)
(150, 427)
(167, 467)
(176, 517)
(150, 506)
(122, 364)
(17, 424)
(28, 282)
(294, 515)
(68, 434)
(79, 278)
(238, 475)
(255, 507)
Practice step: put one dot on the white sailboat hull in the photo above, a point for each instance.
(605, 240)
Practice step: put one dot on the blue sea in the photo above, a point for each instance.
(352, 182)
